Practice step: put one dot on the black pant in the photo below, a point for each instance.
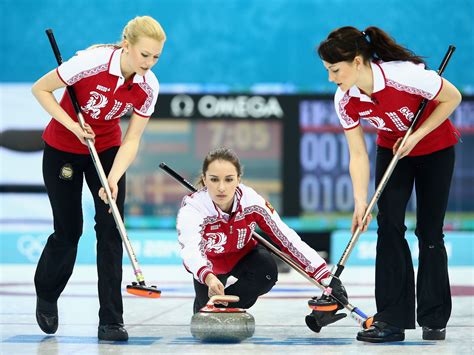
(57, 260)
(256, 273)
(394, 280)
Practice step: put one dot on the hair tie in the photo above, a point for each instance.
(366, 36)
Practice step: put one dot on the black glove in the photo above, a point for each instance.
(338, 290)
(316, 320)
(323, 314)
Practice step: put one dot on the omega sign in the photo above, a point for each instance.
(226, 106)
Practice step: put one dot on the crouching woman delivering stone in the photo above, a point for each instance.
(215, 226)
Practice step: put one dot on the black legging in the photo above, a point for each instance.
(394, 281)
(256, 274)
(57, 260)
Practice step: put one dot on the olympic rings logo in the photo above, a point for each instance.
(31, 247)
(182, 105)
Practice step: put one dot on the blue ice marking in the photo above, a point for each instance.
(306, 341)
(24, 339)
(271, 341)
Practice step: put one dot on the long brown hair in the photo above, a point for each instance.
(221, 153)
(345, 43)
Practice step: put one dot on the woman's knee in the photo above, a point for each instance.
(66, 236)
(268, 282)
(267, 274)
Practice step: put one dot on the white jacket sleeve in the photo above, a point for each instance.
(289, 241)
(152, 88)
(188, 224)
(341, 99)
(413, 78)
(85, 63)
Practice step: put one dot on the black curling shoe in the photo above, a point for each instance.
(113, 332)
(47, 315)
(434, 333)
(381, 332)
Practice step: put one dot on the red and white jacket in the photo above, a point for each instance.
(399, 88)
(213, 241)
(104, 97)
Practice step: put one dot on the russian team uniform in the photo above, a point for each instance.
(215, 242)
(399, 88)
(104, 97)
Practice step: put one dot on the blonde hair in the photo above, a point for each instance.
(140, 26)
(143, 26)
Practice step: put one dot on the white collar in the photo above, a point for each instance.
(379, 83)
(226, 215)
(114, 67)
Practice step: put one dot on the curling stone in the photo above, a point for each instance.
(222, 325)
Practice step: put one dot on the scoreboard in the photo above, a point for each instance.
(292, 147)
(325, 184)
(324, 181)
(185, 128)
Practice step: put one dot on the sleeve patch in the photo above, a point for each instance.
(269, 206)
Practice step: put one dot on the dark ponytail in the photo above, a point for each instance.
(345, 43)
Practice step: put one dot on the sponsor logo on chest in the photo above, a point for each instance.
(102, 88)
(365, 113)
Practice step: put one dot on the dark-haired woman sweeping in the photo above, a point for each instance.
(383, 83)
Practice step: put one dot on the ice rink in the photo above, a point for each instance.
(161, 326)
(246, 75)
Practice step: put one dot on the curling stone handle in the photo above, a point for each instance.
(222, 298)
